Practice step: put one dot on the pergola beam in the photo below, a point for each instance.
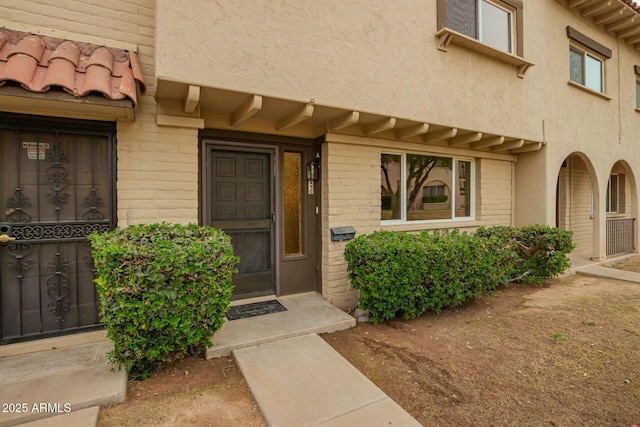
(465, 139)
(250, 107)
(192, 99)
(380, 126)
(588, 11)
(488, 142)
(296, 117)
(344, 121)
(415, 130)
(511, 145)
(440, 135)
(528, 148)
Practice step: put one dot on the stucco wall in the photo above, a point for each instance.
(157, 166)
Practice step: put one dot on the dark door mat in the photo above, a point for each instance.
(255, 309)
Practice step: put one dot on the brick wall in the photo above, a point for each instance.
(157, 166)
(351, 189)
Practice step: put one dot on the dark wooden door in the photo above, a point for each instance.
(56, 187)
(241, 203)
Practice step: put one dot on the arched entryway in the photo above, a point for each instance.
(621, 210)
(577, 204)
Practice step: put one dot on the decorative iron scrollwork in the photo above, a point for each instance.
(93, 202)
(57, 177)
(16, 203)
(19, 264)
(58, 286)
(57, 231)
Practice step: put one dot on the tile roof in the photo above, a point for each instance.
(39, 63)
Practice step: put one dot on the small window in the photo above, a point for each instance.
(495, 25)
(612, 194)
(586, 69)
(638, 94)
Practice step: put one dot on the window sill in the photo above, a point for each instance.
(586, 89)
(446, 36)
(637, 110)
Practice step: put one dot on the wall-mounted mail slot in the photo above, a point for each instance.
(342, 233)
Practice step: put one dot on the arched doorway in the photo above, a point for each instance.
(577, 204)
(621, 210)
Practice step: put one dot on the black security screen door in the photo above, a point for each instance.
(240, 203)
(57, 187)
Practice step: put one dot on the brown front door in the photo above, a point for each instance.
(241, 204)
(56, 187)
(259, 194)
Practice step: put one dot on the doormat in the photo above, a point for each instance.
(255, 309)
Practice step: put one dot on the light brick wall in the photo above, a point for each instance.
(351, 196)
(494, 186)
(157, 168)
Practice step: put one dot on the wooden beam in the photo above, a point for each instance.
(439, 136)
(528, 148)
(488, 142)
(192, 99)
(632, 40)
(509, 145)
(621, 24)
(609, 16)
(576, 3)
(415, 130)
(465, 139)
(295, 118)
(246, 110)
(631, 31)
(343, 121)
(380, 126)
(587, 11)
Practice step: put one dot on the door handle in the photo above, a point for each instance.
(4, 238)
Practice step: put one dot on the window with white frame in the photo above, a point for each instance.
(613, 194)
(407, 192)
(587, 60)
(586, 69)
(493, 22)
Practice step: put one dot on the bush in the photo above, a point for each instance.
(400, 274)
(163, 289)
(537, 252)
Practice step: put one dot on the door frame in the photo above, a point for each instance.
(244, 141)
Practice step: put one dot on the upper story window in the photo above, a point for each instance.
(493, 28)
(495, 25)
(636, 68)
(586, 69)
(587, 61)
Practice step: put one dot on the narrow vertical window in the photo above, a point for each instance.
(496, 26)
(638, 94)
(612, 194)
(292, 203)
(390, 176)
(463, 189)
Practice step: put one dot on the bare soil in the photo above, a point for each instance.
(564, 354)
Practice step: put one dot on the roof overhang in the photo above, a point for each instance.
(185, 105)
(620, 18)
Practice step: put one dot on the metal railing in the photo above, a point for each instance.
(620, 232)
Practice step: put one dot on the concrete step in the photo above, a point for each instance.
(302, 381)
(306, 313)
(50, 383)
(83, 418)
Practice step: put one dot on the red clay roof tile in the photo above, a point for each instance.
(39, 63)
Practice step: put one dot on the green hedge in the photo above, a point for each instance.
(163, 289)
(404, 275)
(536, 252)
(435, 199)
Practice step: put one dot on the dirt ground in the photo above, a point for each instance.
(564, 354)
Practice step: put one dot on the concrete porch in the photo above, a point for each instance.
(306, 314)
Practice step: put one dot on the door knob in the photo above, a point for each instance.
(4, 238)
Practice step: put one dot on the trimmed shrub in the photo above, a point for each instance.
(435, 199)
(537, 252)
(401, 274)
(163, 289)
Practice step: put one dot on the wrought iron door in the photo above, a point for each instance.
(57, 187)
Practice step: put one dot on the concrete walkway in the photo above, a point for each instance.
(302, 381)
(48, 384)
(610, 273)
